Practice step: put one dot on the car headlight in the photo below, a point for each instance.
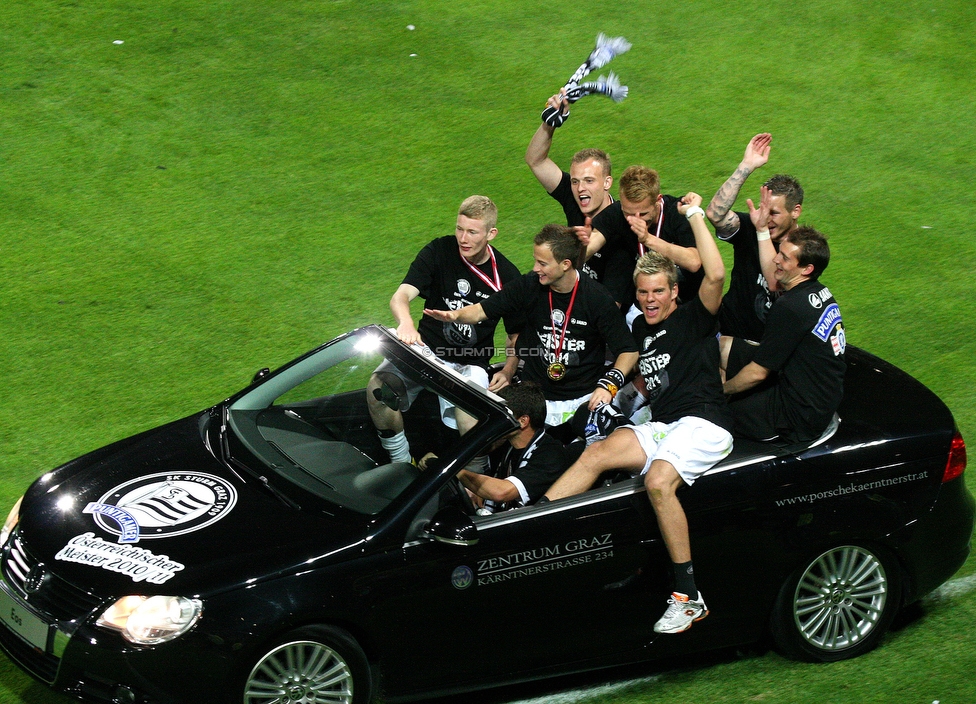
(151, 619)
(10, 523)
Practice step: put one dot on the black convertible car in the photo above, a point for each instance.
(264, 550)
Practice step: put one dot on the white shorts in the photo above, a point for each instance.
(558, 412)
(692, 445)
(447, 409)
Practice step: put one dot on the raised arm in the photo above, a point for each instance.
(710, 291)
(537, 154)
(767, 252)
(719, 211)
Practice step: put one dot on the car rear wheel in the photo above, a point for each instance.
(311, 665)
(838, 606)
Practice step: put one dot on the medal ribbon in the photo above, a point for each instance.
(495, 285)
(569, 309)
(660, 221)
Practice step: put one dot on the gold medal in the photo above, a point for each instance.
(556, 371)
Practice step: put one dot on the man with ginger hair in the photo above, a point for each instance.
(645, 220)
(449, 273)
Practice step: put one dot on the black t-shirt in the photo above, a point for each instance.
(535, 467)
(804, 342)
(447, 283)
(563, 193)
(675, 229)
(679, 360)
(594, 324)
(748, 300)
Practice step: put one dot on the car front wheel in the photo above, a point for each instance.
(838, 606)
(311, 665)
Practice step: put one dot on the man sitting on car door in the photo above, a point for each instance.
(691, 426)
(450, 272)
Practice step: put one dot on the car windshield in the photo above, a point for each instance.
(310, 423)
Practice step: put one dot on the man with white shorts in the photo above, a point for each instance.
(679, 379)
(449, 273)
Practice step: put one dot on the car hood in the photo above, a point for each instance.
(159, 513)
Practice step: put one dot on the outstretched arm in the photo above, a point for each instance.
(710, 291)
(719, 211)
(469, 314)
(767, 252)
(537, 153)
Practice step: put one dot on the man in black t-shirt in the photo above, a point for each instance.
(450, 272)
(752, 288)
(583, 192)
(527, 463)
(801, 352)
(640, 221)
(691, 427)
(569, 321)
(690, 431)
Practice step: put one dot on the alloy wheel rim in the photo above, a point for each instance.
(302, 672)
(840, 598)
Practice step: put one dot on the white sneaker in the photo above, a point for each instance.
(681, 614)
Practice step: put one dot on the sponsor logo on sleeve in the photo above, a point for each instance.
(828, 320)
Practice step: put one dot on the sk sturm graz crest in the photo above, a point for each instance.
(163, 505)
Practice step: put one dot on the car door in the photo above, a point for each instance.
(546, 588)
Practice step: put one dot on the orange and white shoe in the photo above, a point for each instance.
(681, 614)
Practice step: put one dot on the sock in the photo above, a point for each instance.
(684, 579)
(397, 446)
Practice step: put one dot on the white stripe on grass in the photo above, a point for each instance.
(952, 589)
(582, 695)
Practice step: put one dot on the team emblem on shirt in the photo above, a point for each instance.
(815, 300)
(648, 341)
(459, 334)
(558, 317)
(463, 287)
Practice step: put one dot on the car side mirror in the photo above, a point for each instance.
(260, 374)
(450, 525)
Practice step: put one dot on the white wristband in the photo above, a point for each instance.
(694, 210)
(762, 235)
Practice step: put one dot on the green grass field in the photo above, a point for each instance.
(239, 181)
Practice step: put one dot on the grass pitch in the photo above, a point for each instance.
(237, 182)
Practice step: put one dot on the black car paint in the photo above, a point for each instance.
(600, 557)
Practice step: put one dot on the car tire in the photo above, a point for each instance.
(310, 665)
(838, 605)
